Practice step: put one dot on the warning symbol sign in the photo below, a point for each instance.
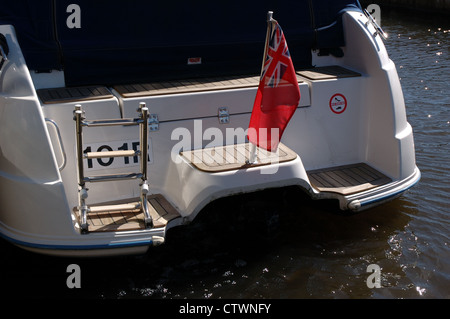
(338, 103)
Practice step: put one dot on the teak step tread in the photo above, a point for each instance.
(114, 208)
(106, 154)
(233, 157)
(116, 221)
(123, 215)
(73, 94)
(347, 179)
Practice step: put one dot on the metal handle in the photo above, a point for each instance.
(4, 50)
(378, 29)
(61, 146)
(79, 117)
(144, 139)
(3, 54)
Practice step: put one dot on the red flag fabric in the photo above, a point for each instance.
(278, 93)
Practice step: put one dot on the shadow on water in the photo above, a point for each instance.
(273, 244)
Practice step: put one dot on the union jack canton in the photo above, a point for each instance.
(277, 58)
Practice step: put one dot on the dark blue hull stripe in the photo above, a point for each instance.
(77, 247)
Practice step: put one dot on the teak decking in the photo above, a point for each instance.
(96, 92)
(347, 179)
(73, 94)
(161, 212)
(232, 157)
(189, 85)
(328, 72)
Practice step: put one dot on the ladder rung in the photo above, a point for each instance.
(114, 208)
(106, 154)
(112, 122)
(112, 177)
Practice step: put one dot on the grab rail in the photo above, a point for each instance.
(4, 50)
(61, 146)
(375, 25)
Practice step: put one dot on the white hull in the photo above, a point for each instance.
(38, 172)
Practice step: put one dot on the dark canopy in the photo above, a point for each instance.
(110, 41)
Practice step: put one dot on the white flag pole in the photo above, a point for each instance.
(252, 157)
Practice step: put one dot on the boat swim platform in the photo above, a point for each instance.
(344, 180)
(129, 217)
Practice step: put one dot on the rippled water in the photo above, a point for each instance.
(298, 252)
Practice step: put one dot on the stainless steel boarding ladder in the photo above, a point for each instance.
(84, 209)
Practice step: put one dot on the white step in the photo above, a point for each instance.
(106, 154)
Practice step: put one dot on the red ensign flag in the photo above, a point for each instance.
(278, 93)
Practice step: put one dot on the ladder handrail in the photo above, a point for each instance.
(79, 117)
(144, 139)
(142, 121)
(143, 136)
